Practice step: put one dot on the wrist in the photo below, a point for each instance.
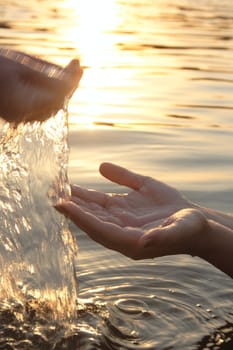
(217, 246)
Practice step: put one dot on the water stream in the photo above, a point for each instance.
(156, 97)
(37, 250)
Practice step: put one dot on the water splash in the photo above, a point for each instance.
(37, 250)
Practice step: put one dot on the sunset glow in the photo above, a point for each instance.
(111, 50)
(89, 30)
(94, 21)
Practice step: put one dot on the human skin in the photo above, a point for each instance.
(151, 220)
(32, 89)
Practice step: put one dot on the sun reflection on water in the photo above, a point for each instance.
(94, 36)
(95, 20)
(120, 74)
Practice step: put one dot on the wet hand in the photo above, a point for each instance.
(152, 220)
(32, 89)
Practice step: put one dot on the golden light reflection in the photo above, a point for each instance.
(95, 19)
(117, 81)
(91, 31)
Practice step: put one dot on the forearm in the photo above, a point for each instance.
(216, 246)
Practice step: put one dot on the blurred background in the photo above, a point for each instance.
(156, 96)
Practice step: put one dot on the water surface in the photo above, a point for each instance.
(156, 96)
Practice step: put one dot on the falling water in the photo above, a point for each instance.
(37, 250)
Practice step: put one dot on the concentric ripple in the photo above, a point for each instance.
(158, 305)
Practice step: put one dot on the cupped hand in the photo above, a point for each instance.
(32, 89)
(152, 220)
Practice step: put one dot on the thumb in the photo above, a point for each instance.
(161, 241)
(179, 234)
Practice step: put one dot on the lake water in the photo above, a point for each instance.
(156, 96)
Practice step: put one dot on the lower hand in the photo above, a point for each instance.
(152, 220)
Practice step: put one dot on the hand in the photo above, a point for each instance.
(150, 221)
(32, 89)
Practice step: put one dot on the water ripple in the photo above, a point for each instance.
(169, 310)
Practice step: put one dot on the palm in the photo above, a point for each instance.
(148, 202)
(152, 220)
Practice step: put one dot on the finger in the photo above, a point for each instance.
(34, 89)
(88, 195)
(108, 234)
(171, 236)
(156, 243)
(122, 176)
(47, 87)
(91, 206)
(45, 75)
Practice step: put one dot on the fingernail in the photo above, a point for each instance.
(145, 242)
(60, 206)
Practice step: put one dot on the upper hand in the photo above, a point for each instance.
(33, 89)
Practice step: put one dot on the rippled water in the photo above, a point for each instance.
(156, 96)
